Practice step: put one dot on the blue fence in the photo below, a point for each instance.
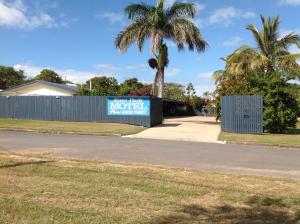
(242, 114)
(143, 111)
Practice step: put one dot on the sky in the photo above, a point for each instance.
(76, 38)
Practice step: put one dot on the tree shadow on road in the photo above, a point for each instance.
(256, 210)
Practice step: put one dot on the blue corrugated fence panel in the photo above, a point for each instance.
(77, 108)
(242, 114)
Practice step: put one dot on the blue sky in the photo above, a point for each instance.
(75, 38)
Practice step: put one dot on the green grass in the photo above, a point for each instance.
(290, 139)
(70, 127)
(36, 189)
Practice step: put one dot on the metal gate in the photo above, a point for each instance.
(242, 114)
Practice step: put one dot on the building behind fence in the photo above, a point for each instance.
(242, 114)
(143, 111)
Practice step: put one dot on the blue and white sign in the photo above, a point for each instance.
(128, 106)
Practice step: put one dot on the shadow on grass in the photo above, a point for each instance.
(16, 164)
(256, 210)
(294, 131)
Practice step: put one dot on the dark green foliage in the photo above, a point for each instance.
(174, 91)
(103, 86)
(280, 102)
(129, 86)
(280, 106)
(199, 103)
(264, 70)
(143, 91)
(49, 76)
(9, 77)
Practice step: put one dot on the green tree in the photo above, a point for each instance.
(174, 91)
(158, 24)
(208, 98)
(49, 76)
(270, 54)
(280, 105)
(190, 90)
(129, 85)
(9, 77)
(264, 70)
(103, 86)
(191, 95)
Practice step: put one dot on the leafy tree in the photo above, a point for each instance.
(9, 77)
(271, 52)
(208, 98)
(199, 103)
(143, 91)
(103, 86)
(280, 105)
(129, 85)
(174, 91)
(158, 24)
(264, 70)
(49, 76)
(190, 90)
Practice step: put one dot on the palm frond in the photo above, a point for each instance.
(138, 11)
(288, 40)
(288, 63)
(184, 32)
(181, 10)
(258, 38)
(129, 35)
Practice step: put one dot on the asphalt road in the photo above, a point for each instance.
(200, 156)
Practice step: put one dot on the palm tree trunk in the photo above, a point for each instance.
(154, 85)
(160, 81)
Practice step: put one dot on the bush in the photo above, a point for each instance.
(280, 106)
(280, 101)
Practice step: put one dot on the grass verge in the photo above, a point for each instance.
(69, 127)
(291, 139)
(37, 189)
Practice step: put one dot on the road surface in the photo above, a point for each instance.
(240, 159)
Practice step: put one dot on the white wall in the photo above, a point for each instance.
(44, 92)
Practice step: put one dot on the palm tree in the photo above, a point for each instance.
(159, 24)
(271, 53)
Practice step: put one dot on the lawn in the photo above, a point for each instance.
(40, 189)
(290, 139)
(70, 127)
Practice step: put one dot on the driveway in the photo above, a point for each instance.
(193, 155)
(195, 129)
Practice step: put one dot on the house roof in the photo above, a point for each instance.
(60, 86)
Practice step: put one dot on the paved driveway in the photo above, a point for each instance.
(194, 155)
(196, 129)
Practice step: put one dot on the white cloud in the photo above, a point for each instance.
(171, 72)
(289, 2)
(199, 7)
(201, 88)
(16, 14)
(107, 68)
(233, 42)
(140, 67)
(285, 32)
(226, 15)
(205, 76)
(72, 75)
(112, 17)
